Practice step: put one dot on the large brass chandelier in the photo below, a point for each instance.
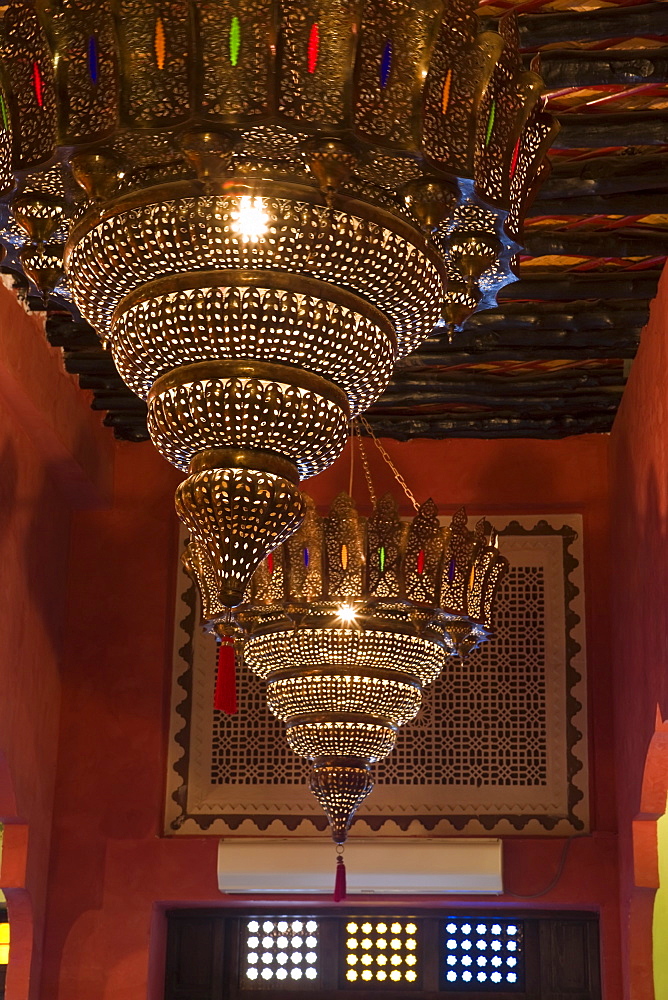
(348, 621)
(260, 206)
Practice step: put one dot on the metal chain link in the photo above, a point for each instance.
(365, 463)
(386, 458)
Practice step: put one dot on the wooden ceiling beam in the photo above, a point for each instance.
(558, 286)
(606, 175)
(648, 20)
(574, 315)
(581, 244)
(561, 68)
(598, 131)
(471, 425)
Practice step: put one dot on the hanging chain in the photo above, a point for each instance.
(365, 462)
(386, 458)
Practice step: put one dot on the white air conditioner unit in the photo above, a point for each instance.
(384, 865)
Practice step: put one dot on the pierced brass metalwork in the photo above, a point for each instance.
(98, 173)
(210, 153)
(349, 620)
(39, 215)
(292, 183)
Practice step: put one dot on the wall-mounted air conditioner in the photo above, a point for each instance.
(383, 866)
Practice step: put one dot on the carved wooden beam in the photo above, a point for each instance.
(502, 426)
(578, 314)
(620, 204)
(601, 285)
(561, 68)
(605, 175)
(611, 244)
(641, 21)
(445, 358)
(598, 131)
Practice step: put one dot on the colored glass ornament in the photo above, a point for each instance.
(3, 112)
(235, 40)
(270, 563)
(313, 48)
(386, 64)
(445, 97)
(451, 570)
(381, 554)
(516, 156)
(306, 557)
(92, 59)
(37, 83)
(420, 562)
(490, 122)
(159, 43)
(344, 556)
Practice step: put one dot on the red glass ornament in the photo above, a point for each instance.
(37, 83)
(313, 48)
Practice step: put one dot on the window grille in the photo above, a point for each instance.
(480, 952)
(280, 953)
(381, 951)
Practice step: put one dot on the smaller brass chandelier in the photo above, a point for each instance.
(348, 621)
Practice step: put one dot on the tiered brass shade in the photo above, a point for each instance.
(348, 621)
(260, 207)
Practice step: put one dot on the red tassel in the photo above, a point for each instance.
(225, 697)
(340, 880)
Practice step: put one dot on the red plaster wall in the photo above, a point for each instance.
(48, 458)
(109, 865)
(639, 533)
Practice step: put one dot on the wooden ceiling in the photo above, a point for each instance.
(552, 359)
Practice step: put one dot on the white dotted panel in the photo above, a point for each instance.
(279, 953)
(482, 953)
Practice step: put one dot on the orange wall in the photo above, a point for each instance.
(110, 869)
(639, 534)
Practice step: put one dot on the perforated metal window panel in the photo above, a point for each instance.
(482, 953)
(382, 953)
(279, 952)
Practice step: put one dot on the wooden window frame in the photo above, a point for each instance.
(216, 973)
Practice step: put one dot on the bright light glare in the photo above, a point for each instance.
(347, 613)
(251, 221)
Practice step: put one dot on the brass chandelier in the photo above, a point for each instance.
(348, 621)
(260, 206)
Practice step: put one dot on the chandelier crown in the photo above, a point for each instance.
(385, 559)
(415, 77)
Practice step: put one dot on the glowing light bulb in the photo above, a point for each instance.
(347, 613)
(251, 221)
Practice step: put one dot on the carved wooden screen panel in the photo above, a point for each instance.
(500, 745)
